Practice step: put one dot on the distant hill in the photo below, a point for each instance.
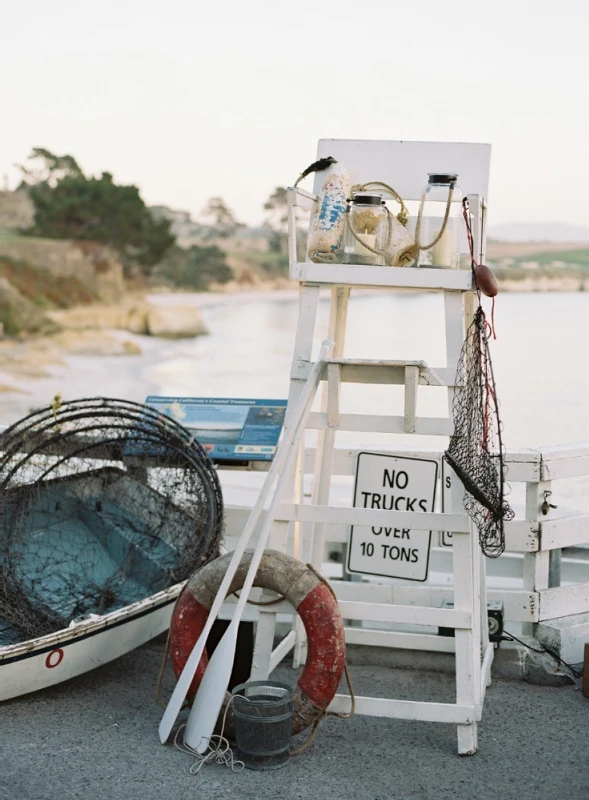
(539, 232)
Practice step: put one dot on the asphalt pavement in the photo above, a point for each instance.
(95, 738)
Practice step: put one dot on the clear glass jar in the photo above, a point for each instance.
(366, 230)
(441, 245)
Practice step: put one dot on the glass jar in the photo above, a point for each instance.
(366, 230)
(441, 245)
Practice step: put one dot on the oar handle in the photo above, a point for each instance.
(290, 432)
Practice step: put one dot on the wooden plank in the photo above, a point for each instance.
(409, 615)
(564, 531)
(519, 605)
(307, 512)
(404, 164)
(386, 277)
(563, 601)
(554, 469)
(345, 461)
(411, 381)
(399, 639)
(281, 650)
(333, 392)
(405, 709)
(301, 198)
(378, 423)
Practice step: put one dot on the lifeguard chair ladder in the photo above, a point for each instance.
(403, 165)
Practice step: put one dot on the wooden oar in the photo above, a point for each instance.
(279, 469)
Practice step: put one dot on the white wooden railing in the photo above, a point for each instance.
(535, 540)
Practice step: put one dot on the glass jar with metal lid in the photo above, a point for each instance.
(439, 228)
(366, 230)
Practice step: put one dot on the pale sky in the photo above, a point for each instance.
(188, 99)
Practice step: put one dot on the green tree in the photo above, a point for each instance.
(99, 210)
(195, 267)
(45, 167)
(219, 219)
(277, 220)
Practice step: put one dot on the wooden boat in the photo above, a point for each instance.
(105, 510)
(93, 637)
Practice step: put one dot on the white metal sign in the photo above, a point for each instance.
(392, 483)
(448, 479)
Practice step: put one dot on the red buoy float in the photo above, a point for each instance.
(305, 590)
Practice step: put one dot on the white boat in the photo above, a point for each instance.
(38, 663)
(94, 550)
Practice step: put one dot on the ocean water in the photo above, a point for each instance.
(540, 362)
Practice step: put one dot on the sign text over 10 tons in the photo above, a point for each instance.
(392, 483)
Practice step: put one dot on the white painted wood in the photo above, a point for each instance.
(48, 660)
(404, 165)
(361, 276)
(333, 393)
(400, 640)
(521, 467)
(281, 651)
(564, 531)
(406, 709)
(326, 441)
(410, 615)
(489, 652)
(376, 423)
(563, 601)
(372, 517)
(264, 640)
(411, 381)
(555, 469)
(320, 516)
(301, 199)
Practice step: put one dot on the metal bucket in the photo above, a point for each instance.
(263, 712)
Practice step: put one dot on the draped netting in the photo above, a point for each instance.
(476, 451)
(103, 502)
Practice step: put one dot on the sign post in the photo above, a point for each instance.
(392, 483)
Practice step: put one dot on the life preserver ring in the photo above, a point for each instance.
(305, 590)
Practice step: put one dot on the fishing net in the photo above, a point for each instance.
(103, 503)
(476, 451)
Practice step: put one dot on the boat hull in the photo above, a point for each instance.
(48, 660)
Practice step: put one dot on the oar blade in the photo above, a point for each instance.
(181, 689)
(209, 697)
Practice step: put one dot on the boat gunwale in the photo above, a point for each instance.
(88, 627)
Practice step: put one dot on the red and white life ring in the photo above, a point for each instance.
(305, 590)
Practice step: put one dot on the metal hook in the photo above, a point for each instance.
(546, 506)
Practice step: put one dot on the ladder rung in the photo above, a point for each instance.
(355, 275)
(375, 362)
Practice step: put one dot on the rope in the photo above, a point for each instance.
(221, 753)
(444, 222)
(406, 259)
(339, 714)
(403, 215)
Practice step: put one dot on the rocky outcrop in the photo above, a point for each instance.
(19, 313)
(140, 317)
(96, 266)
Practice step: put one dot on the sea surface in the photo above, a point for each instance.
(540, 360)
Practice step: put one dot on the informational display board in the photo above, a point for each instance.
(230, 429)
(392, 483)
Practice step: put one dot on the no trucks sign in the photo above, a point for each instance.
(392, 483)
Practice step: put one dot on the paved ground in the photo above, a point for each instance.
(95, 738)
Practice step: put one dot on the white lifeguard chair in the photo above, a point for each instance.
(403, 165)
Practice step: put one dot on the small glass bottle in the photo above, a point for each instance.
(366, 230)
(440, 244)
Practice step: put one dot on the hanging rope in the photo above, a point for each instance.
(444, 221)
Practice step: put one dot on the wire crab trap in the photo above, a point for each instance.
(476, 451)
(103, 502)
